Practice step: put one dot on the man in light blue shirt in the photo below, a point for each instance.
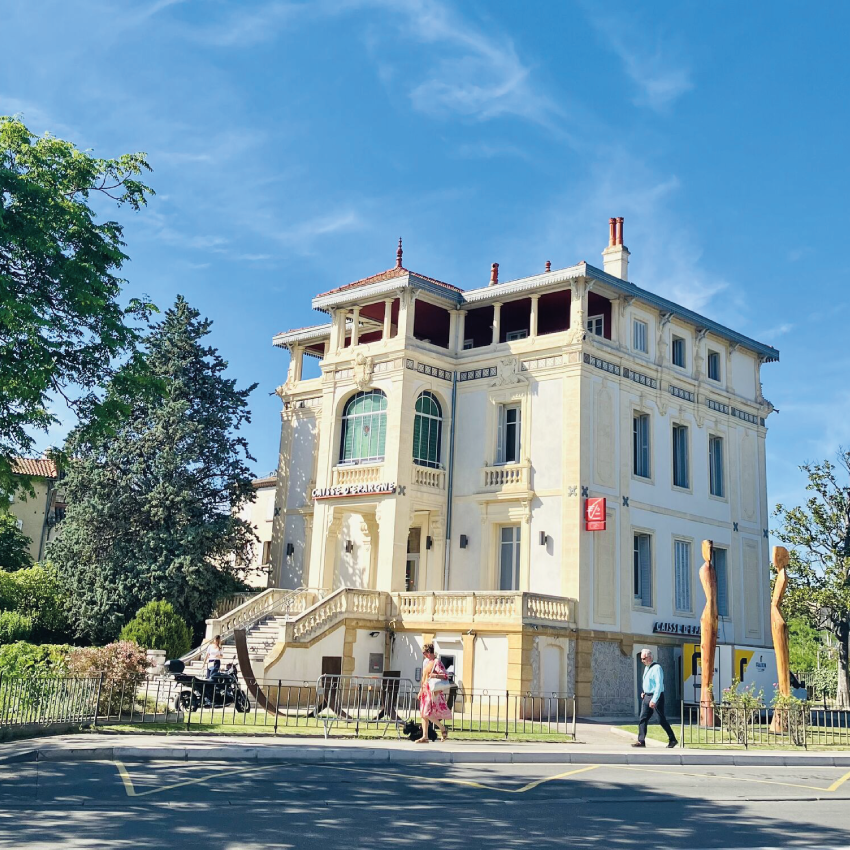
(652, 700)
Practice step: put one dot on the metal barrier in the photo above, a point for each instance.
(358, 705)
(725, 725)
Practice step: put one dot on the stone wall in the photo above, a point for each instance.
(614, 681)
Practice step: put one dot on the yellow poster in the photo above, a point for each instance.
(742, 659)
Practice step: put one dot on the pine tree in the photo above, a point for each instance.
(152, 507)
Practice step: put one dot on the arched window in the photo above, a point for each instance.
(364, 428)
(427, 431)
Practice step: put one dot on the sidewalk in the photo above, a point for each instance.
(596, 744)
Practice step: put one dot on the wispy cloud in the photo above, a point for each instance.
(659, 77)
(772, 333)
(301, 237)
(469, 72)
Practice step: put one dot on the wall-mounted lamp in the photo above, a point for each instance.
(543, 538)
(429, 542)
(349, 546)
(464, 541)
(290, 550)
(373, 634)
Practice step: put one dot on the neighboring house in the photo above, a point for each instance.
(433, 481)
(260, 514)
(38, 516)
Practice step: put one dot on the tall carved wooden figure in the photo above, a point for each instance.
(779, 630)
(708, 634)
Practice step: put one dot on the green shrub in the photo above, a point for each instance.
(35, 593)
(158, 626)
(14, 626)
(29, 659)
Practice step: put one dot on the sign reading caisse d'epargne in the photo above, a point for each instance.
(384, 488)
(663, 628)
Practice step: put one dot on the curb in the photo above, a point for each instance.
(284, 753)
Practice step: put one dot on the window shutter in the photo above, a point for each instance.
(500, 436)
(683, 575)
(417, 436)
(645, 571)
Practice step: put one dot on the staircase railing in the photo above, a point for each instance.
(369, 604)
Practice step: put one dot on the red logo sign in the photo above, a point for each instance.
(594, 514)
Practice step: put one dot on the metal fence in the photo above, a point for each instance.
(358, 706)
(724, 725)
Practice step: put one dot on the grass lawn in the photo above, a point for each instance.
(261, 723)
(701, 738)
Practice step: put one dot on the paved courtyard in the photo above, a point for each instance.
(347, 805)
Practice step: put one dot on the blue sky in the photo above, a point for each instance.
(293, 143)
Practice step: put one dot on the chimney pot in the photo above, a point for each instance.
(616, 256)
(494, 274)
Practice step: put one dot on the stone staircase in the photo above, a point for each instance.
(264, 617)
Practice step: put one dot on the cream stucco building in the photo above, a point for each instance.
(39, 513)
(433, 482)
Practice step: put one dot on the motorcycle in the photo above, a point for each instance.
(219, 691)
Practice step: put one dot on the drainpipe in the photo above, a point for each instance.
(449, 485)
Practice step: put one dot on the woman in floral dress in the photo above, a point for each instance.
(432, 706)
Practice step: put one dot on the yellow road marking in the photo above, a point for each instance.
(839, 782)
(132, 792)
(129, 787)
(832, 787)
(470, 783)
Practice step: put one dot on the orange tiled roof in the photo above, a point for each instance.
(38, 466)
(389, 274)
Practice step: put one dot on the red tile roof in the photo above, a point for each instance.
(389, 274)
(38, 466)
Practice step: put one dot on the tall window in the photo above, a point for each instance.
(643, 570)
(679, 351)
(715, 466)
(639, 336)
(509, 557)
(681, 473)
(714, 365)
(596, 325)
(507, 450)
(640, 445)
(682, 557)
(364, 428)
(427, 431)
(721, 568)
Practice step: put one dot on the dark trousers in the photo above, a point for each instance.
(646, 712)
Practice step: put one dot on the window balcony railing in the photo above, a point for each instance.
(364, 473)
(508, 477)
(429, 478)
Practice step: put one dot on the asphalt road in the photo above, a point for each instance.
(216, 806)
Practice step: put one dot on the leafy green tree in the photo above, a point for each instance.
(804, 643)
(61, 326)
(159, 626)
(14, 545)
(36, 593)
(152, 510)
(819, 573)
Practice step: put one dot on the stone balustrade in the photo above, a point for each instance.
(492, 607)
(429, 478)
(347, 601)
(346, 476)
(507, 477)
(275, 600)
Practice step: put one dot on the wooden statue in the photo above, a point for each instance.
(779, 630)
(708, 633)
